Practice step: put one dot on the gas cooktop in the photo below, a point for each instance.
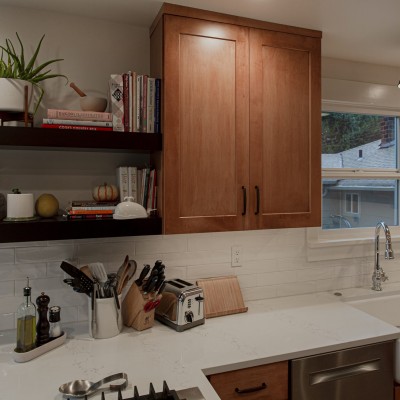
(193, 393)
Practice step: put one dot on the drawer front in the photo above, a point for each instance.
(266, 382)
(362, 373)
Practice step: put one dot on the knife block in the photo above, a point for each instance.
(133, 313)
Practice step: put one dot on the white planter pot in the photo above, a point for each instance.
(12, 95)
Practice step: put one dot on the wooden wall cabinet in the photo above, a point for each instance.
(266, 382)
(241, 122)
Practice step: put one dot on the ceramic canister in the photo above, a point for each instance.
(20, 205)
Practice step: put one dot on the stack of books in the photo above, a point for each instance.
(139, 183)
(89, 209)
(135, 102)
(76, 119)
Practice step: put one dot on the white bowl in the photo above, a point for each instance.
(128, 209)
(92, 103)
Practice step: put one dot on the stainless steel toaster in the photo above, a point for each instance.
(181, 306)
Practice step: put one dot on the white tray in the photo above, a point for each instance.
(38, 351)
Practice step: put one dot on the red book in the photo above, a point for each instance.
(78, 114)
(93, 212)
(78, 127)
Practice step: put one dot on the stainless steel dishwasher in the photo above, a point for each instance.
(361, 373)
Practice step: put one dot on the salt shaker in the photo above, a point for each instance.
(55, 324)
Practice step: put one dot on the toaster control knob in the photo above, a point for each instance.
(189, 316)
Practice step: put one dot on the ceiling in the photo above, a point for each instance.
(357, 30)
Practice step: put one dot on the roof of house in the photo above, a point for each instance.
(372, 155)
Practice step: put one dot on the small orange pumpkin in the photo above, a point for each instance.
(105, 192)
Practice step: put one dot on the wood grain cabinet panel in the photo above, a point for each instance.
(266, 382)
(240, 122)
(285, 119)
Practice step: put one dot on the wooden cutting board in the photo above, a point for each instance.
(222, 296)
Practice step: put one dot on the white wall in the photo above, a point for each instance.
(275, 262)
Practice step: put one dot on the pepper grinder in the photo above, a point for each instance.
(43, 325)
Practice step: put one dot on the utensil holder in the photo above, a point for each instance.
(133, 313)
(106, 322)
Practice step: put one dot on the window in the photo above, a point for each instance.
(359, 169)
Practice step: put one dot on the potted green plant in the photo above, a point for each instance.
(16, 73)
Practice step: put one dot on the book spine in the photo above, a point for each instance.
(97, 208)
(130, 108)
(146, 175)
(93, 203)
(80, 212)
(52, 121)
(77, 114)
(122, 181)
(150, 104)
(132, 183)
(77, 127)
(139, 91)
(134, 110)
(144, 104)
(89, 216)
(157, 107)
(117, 103)
(125, 81)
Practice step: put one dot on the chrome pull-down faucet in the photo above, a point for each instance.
(379, 275)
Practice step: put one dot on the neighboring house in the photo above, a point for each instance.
(353, 202)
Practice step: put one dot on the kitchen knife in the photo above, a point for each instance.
(85, 282)
(142, 275)
(150, 284)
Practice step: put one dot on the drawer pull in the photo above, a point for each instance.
(252, 389)
(244, 200)
(258, 200)
(344, 372)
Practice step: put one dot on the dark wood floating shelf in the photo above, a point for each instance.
(62, 229)
(11, 136)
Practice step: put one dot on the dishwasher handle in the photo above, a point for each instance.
(344, 372)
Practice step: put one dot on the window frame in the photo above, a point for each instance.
(318, 237)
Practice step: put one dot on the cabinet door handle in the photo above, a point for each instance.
(258, 200)
(251, 389)
(244, 200)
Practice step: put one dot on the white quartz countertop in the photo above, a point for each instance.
(272, 330)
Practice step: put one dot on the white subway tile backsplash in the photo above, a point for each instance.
(163, 244)
(274, 263)
(7, 321)
(7, 256)
(7, 288)
(44, 253)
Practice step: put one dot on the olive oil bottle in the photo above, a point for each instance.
(26, 322)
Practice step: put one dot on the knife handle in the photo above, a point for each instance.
(142, 275)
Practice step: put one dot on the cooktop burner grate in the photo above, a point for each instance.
(166, 394)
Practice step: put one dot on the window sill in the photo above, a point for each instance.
(343, 243)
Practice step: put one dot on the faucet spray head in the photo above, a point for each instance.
(389, 254)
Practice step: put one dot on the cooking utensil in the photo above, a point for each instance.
(124, 274)
(150, 284)
(77, 90)
(99, 273)
(85, 283)
(82, 387)
(142, 275)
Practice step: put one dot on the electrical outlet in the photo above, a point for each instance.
(236, 256)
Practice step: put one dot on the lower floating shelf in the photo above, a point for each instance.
(62, 229)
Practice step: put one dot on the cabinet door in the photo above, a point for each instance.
(266, 382)
(205, 125)
(285, 129)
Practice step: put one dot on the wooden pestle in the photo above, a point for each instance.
(77, 90)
